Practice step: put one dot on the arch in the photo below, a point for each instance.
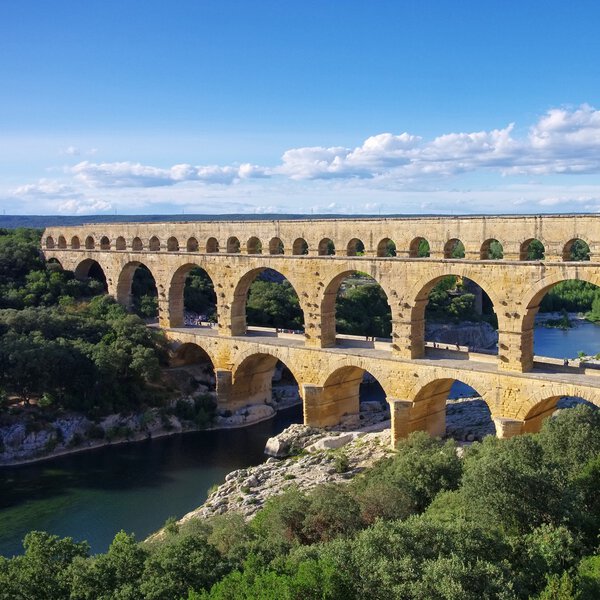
(300, 247)
(62, 242)
(386, 247)
(90, 268)
(328, 306)
(532, 300)
(212, 245)
(276, 246)
(341, 393)
(90, 243)
(419, 248)
(75, 243)
(104, 243)
(326, 247)
(120, 243)
(491, 249)
(543, 404)
(252, 377)
(429, 408)
(154, 244)
(355, 247)
(177, 293)
(532, 249)
(454, 248)
(421, 300)
(254, 246)
(54, 263)
(49, 242)
(193, 354)
(192, 245)
(125, 292)
(172, 244)
(241, 296)
(576, 250)
(233, 245)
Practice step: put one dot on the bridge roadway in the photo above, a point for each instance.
(417, 389)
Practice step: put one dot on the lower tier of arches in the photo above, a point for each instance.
(329, 384)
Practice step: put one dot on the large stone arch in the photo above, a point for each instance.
(531, 301)
(237, 320)
(533, 411)
(176, 290)
(328, 300)
(417, 299)
(252, 376)
(125, 280)
(339, 391)
(89, 267)
(428, 409)
(183, 353)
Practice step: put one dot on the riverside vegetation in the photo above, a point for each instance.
(511, 519)
(517, 518)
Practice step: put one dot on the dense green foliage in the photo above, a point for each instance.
(64, 345)
(25, 280)
(514, 519)
(94, 358)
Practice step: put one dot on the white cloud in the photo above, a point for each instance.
(128, 174)
(85, 206)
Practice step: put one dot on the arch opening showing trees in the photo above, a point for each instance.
(326, 247)
(91, 269)
(271, 301)
(355, 304)
(454, 248)
(300, 247)
(419, 248)
(454, 313)
(355, 248)
(136, 289)
(491, 250)
(532, 249)
(233, 245)
(192, 298)
(576, 250)
(386, 248)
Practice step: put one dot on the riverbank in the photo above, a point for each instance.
(24, 443)
(305, 457)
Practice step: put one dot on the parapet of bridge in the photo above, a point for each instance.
(234, 253)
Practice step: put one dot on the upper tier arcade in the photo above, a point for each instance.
(369, 236)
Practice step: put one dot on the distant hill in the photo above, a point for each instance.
(41, 221)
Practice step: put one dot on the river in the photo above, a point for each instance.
(136, 487)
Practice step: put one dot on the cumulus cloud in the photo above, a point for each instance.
(84, 206)
(129, 174)
(561, 141)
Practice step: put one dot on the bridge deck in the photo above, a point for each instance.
(436, 357)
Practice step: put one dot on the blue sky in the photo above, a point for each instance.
(305, 107)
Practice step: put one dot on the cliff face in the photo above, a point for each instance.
(475, 335)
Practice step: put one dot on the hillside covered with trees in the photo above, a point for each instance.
(512, 519)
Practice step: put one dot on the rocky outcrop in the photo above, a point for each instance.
(474, 335)
(321, 457)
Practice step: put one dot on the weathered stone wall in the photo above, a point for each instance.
(554, 231)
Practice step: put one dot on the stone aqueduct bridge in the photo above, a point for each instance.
(519, 391)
